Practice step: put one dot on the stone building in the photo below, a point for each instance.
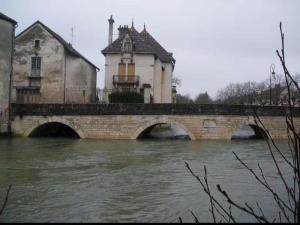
(47, 69)
(7, 33)
(136, 62)
(294, 97)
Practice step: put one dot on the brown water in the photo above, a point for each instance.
(63, 180)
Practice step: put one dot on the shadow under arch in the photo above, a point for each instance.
(54, 129)
(258, 132)
(141, 131)
(59, 128)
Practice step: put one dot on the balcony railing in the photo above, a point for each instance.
(35, 73)
(117, 79)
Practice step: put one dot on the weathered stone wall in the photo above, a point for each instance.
(52, 53)
(65, 78)
(6, 45)
(130, 127)
(128, 121)
(80, 81)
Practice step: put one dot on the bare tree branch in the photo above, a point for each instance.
(5, 201)
(291, 205)
(210, 196)
(211, 202)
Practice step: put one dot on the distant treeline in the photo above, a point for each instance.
(257, 93)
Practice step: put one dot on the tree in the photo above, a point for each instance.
(183, 99)
(126, 97)
(252, 93)
(288, 207)
(176, 81)
(203, 98)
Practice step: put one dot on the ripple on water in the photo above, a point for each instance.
(124, 181)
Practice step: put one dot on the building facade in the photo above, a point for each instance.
(47, 69)
(7, 33)
(136, 62)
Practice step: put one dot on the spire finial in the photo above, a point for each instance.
(111, 20)
(144, 26)
(132, 24)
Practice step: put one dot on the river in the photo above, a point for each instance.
(77, 180)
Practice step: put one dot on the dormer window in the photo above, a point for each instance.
(37, 44)
(127, 45)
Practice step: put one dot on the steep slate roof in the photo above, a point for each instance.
(163, 55)
(4, 17)
(66, 45)
(143, 43)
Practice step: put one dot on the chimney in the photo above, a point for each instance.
(123, 31)
(110, 32)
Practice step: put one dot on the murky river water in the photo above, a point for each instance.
(63, 180)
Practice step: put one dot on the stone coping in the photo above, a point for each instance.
(149, 109)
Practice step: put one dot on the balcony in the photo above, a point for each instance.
(126, 80)
(35, 74)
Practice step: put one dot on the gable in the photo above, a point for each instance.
(35, 32)
(38, 27)
(8, 19)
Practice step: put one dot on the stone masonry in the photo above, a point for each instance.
(198, 126)
(7, 32)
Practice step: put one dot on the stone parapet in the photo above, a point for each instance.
(149, 109)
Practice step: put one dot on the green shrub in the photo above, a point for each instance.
(126, 97)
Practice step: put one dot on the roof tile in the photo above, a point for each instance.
(144, 43)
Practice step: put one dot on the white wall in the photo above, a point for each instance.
(150, 72)
(167, 83)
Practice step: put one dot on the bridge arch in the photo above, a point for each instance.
(259, 132)
(152, 123)
(61, 121)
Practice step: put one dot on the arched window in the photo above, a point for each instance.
(127, 45)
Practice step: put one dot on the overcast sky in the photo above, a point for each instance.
(214, 42)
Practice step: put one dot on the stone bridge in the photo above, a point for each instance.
(129, 121)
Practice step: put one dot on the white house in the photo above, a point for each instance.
(135, 61)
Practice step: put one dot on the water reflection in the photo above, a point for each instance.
(164, 131)
(249, 132)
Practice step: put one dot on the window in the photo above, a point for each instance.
(28, 95)
(131, 72)
(36, 66)
(122, 72)
(37, 44)
(127, 45)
